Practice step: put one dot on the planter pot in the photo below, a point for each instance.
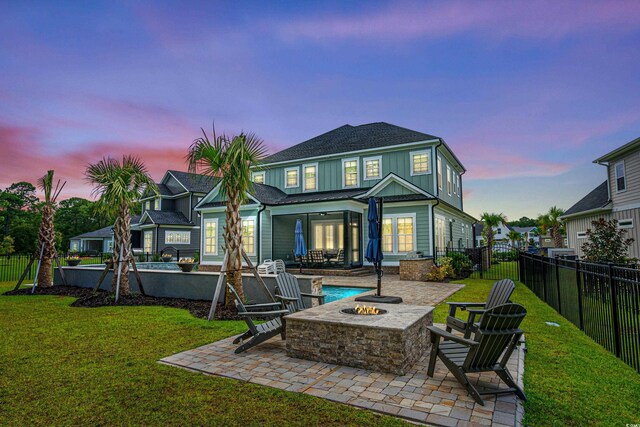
(167, 259)
(73, 262)
(186, 266)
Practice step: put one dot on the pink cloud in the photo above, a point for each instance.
(496, 19)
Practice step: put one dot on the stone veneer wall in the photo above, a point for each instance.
(377, 349)
(415, 269)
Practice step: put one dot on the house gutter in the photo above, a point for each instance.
(433, 212)
(259, 248)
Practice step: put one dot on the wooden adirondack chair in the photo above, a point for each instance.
(497, 335)
(263, 331)
(500, 294)
(288, 291)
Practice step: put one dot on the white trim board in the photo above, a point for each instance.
(392, 177)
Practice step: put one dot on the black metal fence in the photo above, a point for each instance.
(12, 266)
(603, 300)
(499, 262)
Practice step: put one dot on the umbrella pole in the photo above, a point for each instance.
(379, 263)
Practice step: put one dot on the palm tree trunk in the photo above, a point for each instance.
(46, 236)
(122, 239)
(557, 236)
(233, 241)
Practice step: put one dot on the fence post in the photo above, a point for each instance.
(614, 311)
(558, 284)
(544, 279)
(481, 261)
(578, 280)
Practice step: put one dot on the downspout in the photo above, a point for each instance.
(259, 248)
(433, 212)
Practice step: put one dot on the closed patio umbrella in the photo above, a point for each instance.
(300, 248)
(373, 253)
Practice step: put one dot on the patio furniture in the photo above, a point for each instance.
(316, 258)
(267, 267)
(258, 333)
(500, 294)
(338, 259)
(495, 339)
(280, 267)
(288, 291)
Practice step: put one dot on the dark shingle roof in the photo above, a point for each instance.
(350, 138)
(96, 234)
(164, 190)
(168, 217)
(267, 194)
(195, 182)
(597, 198)
(405, 198)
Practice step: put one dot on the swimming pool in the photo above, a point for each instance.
(334, 293)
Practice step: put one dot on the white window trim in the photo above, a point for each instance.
(581, 235)
(440, 174)
(458, 185)
(413, 153)
(264, 176)
(357, 184)
(394, 231)
(624, 174)
(286, 170)
(204, 236)
(304, 179)
(157, 204)
(166, 232)
(255, 230)
(144, 238)
(449, 183)
(364, 168)
(625, 226)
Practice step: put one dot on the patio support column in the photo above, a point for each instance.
(345, 238)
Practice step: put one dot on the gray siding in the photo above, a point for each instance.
(174, 186)
(576, 225)
(632, 174)
(182, 205)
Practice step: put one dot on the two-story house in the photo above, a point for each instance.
(168, 220)
(618, 197)
(326, 182)
(500, 233)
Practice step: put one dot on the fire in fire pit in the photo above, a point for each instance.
(364, 310)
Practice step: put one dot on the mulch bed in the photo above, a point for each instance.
(86, 298)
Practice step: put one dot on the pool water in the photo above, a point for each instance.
(334, 293)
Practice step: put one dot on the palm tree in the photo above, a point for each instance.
(491, 220)
(551, 223)
(230, 159)
(120, 186)
(47, 234)
(514, 236)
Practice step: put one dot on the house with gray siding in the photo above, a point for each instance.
(168, 220)
(617, 197)
(326, 182)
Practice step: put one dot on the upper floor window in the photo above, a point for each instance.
(177, 237)
(439, 166)
(310, 177)
(156, 204)
(349, 173)
(291, 177)
(621, 183)
(458, 185)
(420, 163)
(258, 177)
(249, 235)
(210, 237)
(499, 231)
(147, 205)
(372, 167)
(449, 180)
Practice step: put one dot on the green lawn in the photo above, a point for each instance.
(65, 365)
(569, 379)
(87, 366)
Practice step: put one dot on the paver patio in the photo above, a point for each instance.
(440, 400)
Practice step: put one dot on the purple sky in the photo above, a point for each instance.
(526, 93)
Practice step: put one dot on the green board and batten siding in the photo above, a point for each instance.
(330, 171)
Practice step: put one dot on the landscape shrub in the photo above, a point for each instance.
(445, 270)
(460, 262)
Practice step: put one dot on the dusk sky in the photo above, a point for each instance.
(527, 93)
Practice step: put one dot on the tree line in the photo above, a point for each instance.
(21, 213)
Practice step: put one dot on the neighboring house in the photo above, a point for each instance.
(94, 241)
(326, 182)
(618, 197)
(99, 241)
(169, 220)
(528, 234)
(499, 234)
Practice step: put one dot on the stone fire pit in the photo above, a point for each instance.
(390, 342)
